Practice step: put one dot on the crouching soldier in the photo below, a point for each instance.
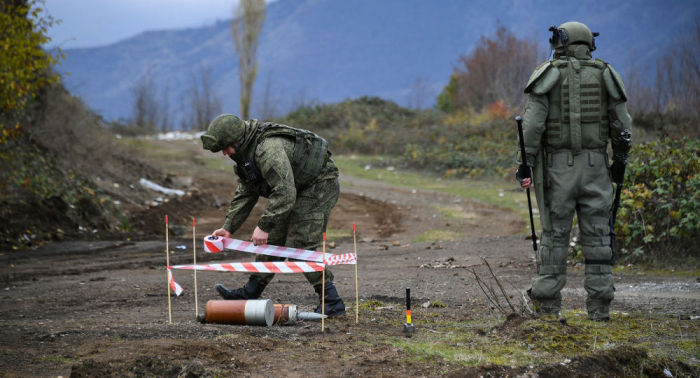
(294, 170)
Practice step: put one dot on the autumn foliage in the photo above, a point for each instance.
(496, 71)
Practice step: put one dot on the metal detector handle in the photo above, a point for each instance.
(524, 166)
(408, 298)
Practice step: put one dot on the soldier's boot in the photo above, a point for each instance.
(549, 306)
(334, 305)
(252, 290)
(598, 281)
(598, 310)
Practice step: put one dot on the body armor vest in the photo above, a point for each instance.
(578, 107)
(309, 158)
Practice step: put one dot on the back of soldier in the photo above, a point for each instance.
(576, 105)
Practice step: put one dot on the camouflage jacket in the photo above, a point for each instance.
(273, 156)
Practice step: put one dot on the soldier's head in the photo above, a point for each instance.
(572, 33)
(224, 132)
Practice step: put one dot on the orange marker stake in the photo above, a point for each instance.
(167, 262)
(194, 254)
(357, 296)
(323, 285)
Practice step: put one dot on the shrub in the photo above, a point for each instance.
(660, 212)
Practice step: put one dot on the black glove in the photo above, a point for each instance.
(618, 172)
(522, 173)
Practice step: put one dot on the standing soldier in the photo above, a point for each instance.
(294, 170)
(576, 104)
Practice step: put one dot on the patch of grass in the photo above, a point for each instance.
(504, 194)
(437, 304)
(454, 212)
(54, 359)
(547, 340)
(436, 235)
(334, 234)
(371, 305)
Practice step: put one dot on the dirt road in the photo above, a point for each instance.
(100, 308)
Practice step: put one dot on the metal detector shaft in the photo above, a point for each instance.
(524, 168)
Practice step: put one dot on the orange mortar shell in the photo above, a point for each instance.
(285, 314)
(246, 312)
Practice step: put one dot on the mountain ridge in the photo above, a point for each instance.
(329, 50)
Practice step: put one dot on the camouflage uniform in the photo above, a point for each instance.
(293, 169)
(298, 214)
(575, 106)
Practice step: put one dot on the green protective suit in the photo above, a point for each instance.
(294, 170)
(575, 107)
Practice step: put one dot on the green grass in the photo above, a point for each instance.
(56, 359)
(333, 234)
(436, 235)
(505, 194)
(546, 340)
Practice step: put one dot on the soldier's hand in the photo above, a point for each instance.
(526, 183)
(221, 232)
(259, 236)
(523, 172)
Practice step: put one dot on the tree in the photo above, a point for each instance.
(268, 105)
(145, 107)
(497, 70)
(678, 75)
(418, 94)
(24, 65)
(246, 27)
(202, 100)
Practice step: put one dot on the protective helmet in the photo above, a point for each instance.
(572, 32)
(226, 130)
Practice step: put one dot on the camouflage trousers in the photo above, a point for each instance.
(578, 184)
(304, 227)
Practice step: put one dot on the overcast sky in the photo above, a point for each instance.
(88, 23)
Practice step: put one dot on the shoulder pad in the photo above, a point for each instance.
(270, 142)
(614, 84)
(600, 63)
(543, 79)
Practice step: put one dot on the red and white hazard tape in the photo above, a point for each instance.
(346, 258)
(174, 285)
(259, 267)
(214, 244)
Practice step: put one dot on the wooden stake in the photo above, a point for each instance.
(323, 285)
(357, 296)
(167, 261)
(194, 254)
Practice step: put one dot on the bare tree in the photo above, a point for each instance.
(165, 109)
(202, 100)
(299, 100)
(246, 27)
(678, 75)
(145, 107)
(419, 93)
(641, 98)
(268, 106)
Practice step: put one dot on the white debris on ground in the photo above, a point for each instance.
(151, 185)
(179, 135)
(448, 263)
(172, 135)
(658, 287)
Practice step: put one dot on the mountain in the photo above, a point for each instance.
(329, 50)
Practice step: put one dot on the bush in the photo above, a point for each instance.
(660, 212)
(463, 143)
